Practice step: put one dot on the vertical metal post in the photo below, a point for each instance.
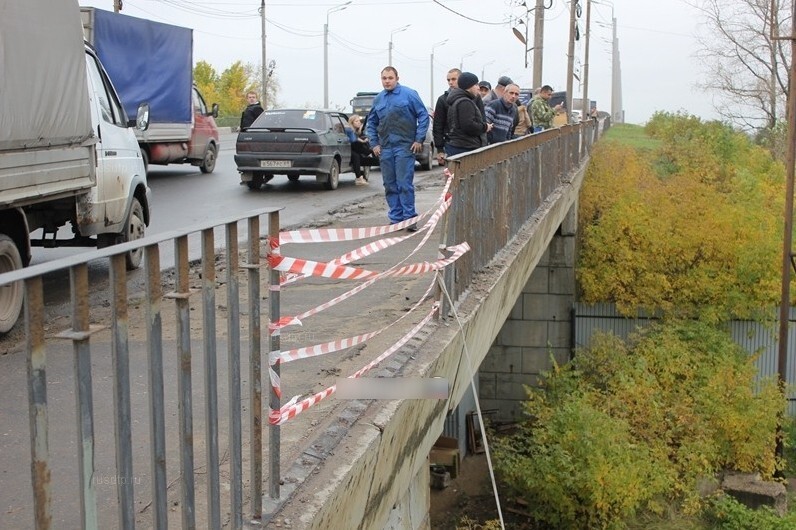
(571, 56)
(157, 414)
(787, 243)
(265, 63)
(120, 355)
(233, 377)
(255, 371)
(211, 373)
(273, 318)
(586, 112)
(538, 43)
(184, 381)
(326, 63)
(37, 403)
(78, 277)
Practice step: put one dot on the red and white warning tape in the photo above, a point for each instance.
(342, 344)
(294, 407)
(326, 235)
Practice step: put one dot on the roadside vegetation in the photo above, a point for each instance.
(683, 218)
(228, 88)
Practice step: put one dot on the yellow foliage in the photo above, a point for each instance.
(692, 228)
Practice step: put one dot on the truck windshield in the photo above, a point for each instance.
(362, 104)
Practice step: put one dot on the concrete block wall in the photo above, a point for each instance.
(538, 330)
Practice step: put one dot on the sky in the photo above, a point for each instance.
(657, 45)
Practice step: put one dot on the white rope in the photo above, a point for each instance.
(477, 403)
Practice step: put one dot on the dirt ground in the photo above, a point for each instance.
(469, 502)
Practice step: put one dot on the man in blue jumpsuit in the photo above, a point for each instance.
(396, 127)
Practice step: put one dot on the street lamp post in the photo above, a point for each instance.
(483, 69)
(617, 116)
(389, 49)
(326, 52)
(465, 56)
(440, 43)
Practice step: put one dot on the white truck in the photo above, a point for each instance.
(68, 154)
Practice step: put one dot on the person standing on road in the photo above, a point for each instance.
(502, 114)
(441, 115)
(466, 124)
(252, 110)
(396, 128)
(541, 112)
(359, 148)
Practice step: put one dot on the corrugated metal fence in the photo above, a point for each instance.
(756, 338)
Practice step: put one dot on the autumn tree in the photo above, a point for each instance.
(692, 228)
(747, 65)
(229, 88)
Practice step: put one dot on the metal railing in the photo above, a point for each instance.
(500, 187)
(81, 333)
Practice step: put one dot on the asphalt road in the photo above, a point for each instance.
(183, 196)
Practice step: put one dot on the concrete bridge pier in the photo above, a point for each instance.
(538, 330)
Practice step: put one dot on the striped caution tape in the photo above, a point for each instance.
(342, 344)
(295, 407)
(327, 235)
(342, 272)
(417, 268)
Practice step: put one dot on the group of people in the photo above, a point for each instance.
(469, 115)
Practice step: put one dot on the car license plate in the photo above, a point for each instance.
(274, 163)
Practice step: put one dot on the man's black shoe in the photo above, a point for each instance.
(412, 227)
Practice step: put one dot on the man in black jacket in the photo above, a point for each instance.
(252, 110)
(439, 128)
(466, 125)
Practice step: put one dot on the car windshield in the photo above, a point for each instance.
(291, 119)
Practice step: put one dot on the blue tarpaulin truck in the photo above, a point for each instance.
(153, 62)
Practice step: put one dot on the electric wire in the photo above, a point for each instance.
(468, 18)
(471, 373)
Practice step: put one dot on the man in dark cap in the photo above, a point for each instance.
(484, 87)
(466, 125)
(497, 93)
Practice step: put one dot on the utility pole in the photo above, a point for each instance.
(586, 104)
(265, 63)
(571, 56)
(538, 43)
(787, 245)
(617, 116)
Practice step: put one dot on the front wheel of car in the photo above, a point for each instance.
(334, 176)
(255, 183)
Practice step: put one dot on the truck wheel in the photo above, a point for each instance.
(334, 176)
(209, 162)
(11, 296)
(134, 229)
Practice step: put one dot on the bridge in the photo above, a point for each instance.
(500, 311)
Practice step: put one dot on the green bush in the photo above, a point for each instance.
(629, 427)
(725, 513)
